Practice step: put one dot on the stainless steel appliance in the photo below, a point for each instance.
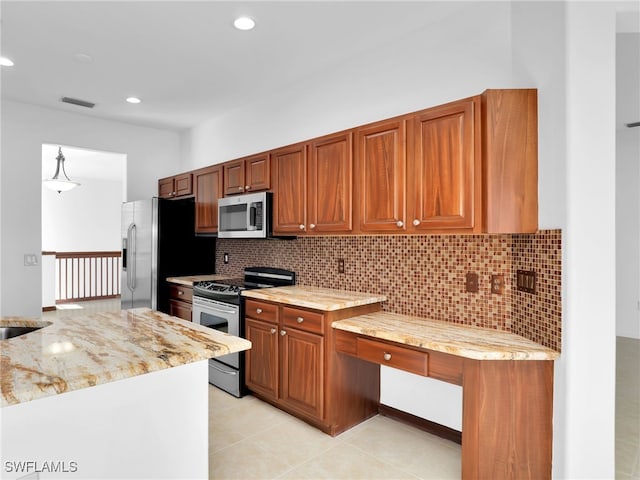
(245, 216)
(159, 241)
(219, 305)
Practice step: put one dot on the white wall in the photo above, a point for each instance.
(151, 154)
(628, 189)
(86, 218)
(586, 408)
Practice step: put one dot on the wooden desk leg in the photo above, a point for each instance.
(507, 419)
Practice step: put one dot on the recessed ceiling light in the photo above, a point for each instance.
(244, 23)
(133, 100)
(6, 62)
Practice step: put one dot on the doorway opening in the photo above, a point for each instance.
(81, 228)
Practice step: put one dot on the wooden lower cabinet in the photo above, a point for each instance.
(262, 359)
(180, 301)
(293, 368)
(302, 371)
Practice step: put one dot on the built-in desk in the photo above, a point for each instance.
(507, 384)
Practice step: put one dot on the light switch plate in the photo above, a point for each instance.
(30, 260)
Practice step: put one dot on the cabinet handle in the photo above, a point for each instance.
(313, 225)
(258, 311)
(240, 188)
(416, 222)
(400, 223)
(273, 330)
(180, 292)
(300, 319)
(283, 333)
(247, 187)
(301, 227)
(387, 356)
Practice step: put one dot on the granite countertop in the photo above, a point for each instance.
(325, 299)
(189, 280)
(76, 352)
(462, 340)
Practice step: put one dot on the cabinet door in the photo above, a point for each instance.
(208, 182)
(261, 373)
(183, 184)
(289, 189)
(303, 371)
(234, 177)
(444, 167)
(381, 176)
(258, 173)
(165, 188)
(329, 187)
(180, 309)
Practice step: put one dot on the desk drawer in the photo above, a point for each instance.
(393, 356)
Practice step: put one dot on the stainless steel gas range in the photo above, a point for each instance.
(219, 305)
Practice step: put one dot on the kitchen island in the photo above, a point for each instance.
(108, 395)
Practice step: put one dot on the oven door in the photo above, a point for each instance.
(220, 316)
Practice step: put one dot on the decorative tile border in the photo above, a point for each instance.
(425, 275)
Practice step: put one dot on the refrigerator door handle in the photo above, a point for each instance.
(130, 260)
(133, 250)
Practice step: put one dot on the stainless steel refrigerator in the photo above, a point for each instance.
(159, 241)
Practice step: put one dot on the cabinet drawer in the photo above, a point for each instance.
(303, 320)
(261, 310)
(180, 292)
(393, 356)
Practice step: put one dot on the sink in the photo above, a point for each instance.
(11, 332)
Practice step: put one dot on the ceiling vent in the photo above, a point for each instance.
(75, 101)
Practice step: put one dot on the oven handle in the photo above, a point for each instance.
(213, 307)
(211, 364)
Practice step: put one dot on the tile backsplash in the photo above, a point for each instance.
(424, 275)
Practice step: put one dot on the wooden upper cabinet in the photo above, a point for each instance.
(330, 184)
(250, 174)
(208, 190)
(289, 166)
(165, 187)
(381, 176)
(510, 158)
(176, 186)
(444, 167)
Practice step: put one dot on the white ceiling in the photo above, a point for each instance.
(185, 59)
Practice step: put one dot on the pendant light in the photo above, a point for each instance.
(60, 184)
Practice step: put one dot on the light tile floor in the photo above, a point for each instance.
(250, 439)
(627, 409)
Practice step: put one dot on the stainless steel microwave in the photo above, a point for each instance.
(245, 216)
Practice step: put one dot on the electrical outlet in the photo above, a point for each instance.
(341, 265)
(472, 283)
(497, 284)
(226, 258)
